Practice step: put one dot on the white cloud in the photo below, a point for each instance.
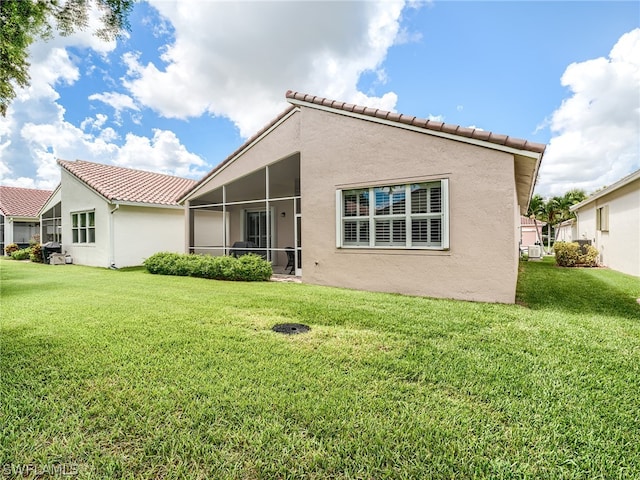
(118, 101)
(237, 59)
(596, 131)
(35, 133)
(162, 153)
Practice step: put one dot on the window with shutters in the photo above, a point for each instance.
(396, 216)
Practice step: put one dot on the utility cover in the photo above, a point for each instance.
(291, 328)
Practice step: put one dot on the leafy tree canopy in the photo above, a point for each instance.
(24, 21)
(555, 210)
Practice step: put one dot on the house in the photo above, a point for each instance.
(530, 232)
(610, 218)
(113, 216)
(372, 200)
(566, 231)
(19, 220)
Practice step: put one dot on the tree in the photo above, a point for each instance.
(554, 210)
(537, 212)
(22, 22)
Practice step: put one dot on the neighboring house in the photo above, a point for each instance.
(530, 232)
(19, 220)
(114, 216)
(374, 200)
(566, 231)
(610, 218)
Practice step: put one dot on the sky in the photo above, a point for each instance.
(192, 80)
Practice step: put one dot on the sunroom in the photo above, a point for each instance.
(259, 213)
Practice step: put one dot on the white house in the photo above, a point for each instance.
(610, 218)
(19, 220)
(566, 231)
(116, 217)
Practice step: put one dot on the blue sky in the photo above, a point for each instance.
(192, 80)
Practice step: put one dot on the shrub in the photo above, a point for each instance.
(571, 255)
(566, 253)
(21, 254)
(12, 247)
(36, 253)
(590, 258)
(248, 268)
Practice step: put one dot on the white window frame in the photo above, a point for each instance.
(371, 217)
(83, 234)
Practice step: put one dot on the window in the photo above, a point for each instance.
(51, 225)
(401, 216)
(602, 219)
(83, 227)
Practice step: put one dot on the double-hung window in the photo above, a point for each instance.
(83, 227)
(411, 215)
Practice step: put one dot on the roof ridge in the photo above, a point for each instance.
(107, 165)
(449, 128)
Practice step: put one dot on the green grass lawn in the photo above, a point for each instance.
(123, 374)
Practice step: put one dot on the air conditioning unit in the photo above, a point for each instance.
(535, 251)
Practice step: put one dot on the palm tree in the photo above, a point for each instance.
(536, 212)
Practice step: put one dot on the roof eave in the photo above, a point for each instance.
(611, 188)
(239, 152)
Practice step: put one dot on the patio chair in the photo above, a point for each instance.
(291, 260)
(242, 248)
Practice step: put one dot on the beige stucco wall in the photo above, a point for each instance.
(339, 152)
(342, 152)
(139, 232)
(619, 247)
(77, 197)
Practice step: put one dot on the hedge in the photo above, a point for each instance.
(572, 255)
(247, 268)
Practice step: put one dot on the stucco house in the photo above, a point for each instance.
(372, 200)
(112, 216)
(567, 231)
(530, 232)
(19, 219)
(610, 218)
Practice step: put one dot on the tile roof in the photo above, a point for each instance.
(22, 202)
(474, 133)
(129, 185)
(372, 112)
(529, 221)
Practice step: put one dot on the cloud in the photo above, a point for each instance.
(35, 132)
(237, 59)
(118, 101)
(596, 131)
(163, 153)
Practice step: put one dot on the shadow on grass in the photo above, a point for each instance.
(543, 285)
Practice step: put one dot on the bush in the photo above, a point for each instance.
(248, 268)
(36, 253)
(12, 247)
(21, 254)
(571, 255)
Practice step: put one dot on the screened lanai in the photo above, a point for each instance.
(256, 213)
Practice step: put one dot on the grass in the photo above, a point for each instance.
(122, 374)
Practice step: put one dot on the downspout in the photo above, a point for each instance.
(112, 236)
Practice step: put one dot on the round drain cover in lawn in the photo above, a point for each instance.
(290, 328)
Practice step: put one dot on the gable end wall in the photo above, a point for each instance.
(342, 152)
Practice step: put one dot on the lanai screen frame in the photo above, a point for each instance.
(267, 203)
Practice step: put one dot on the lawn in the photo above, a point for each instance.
(123, 374)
